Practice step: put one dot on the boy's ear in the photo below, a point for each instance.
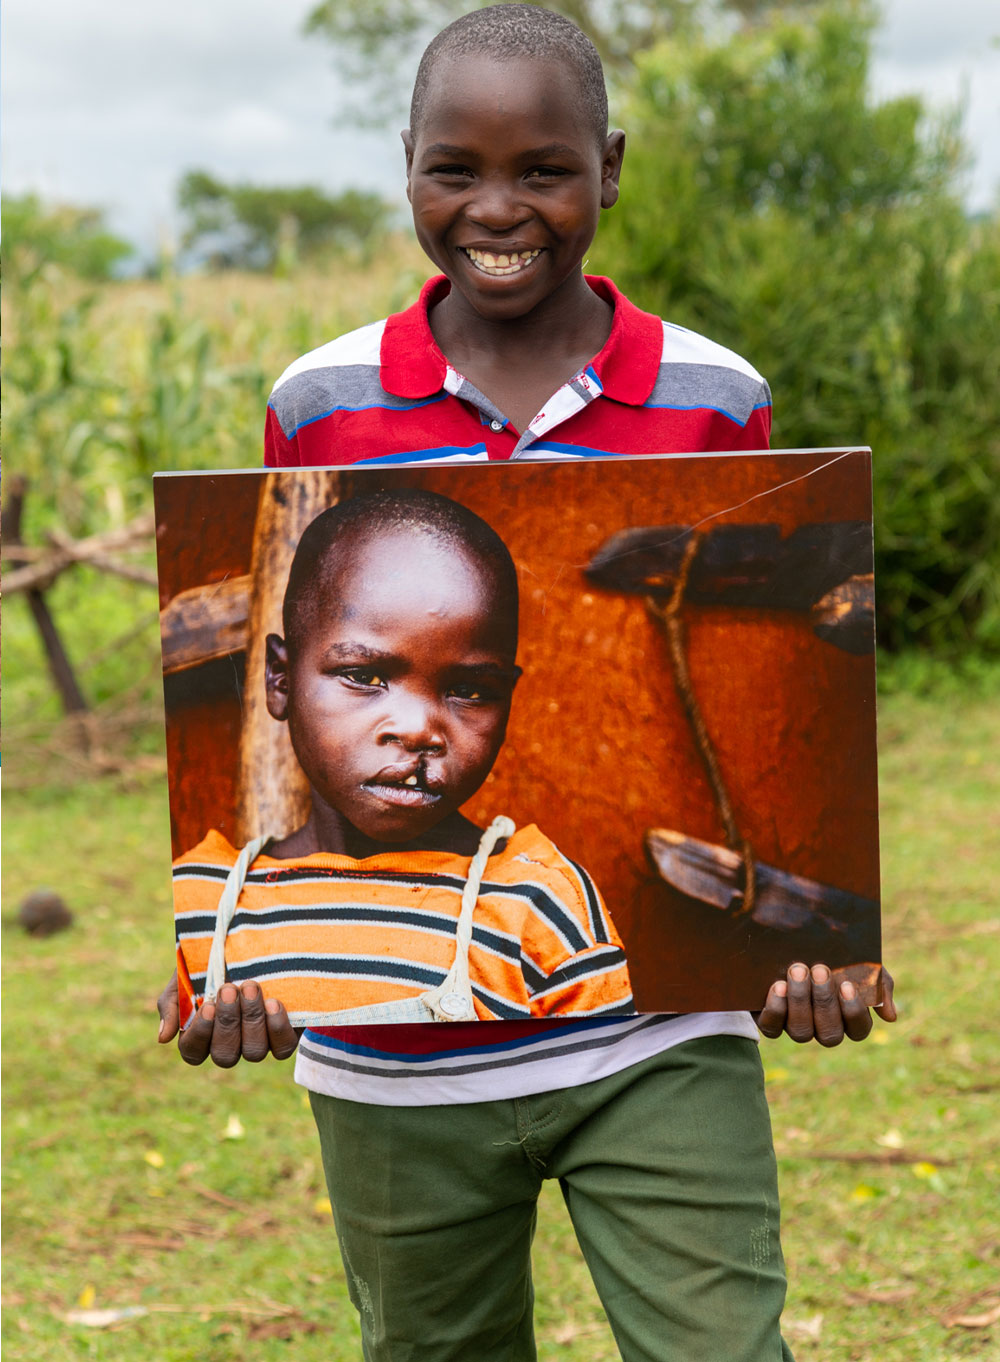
(276, 677)
(407, 137)
(611, 167)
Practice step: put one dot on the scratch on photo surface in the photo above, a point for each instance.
(552, 585)
(728, 510)
(220, 584)
(239, 688)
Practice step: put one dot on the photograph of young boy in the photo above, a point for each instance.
(436, 1139)
(395, 675)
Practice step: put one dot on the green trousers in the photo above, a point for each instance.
(669, 1175)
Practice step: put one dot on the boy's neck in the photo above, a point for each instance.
(570, 324)
(326, 831)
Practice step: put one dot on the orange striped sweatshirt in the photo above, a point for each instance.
(328, 932)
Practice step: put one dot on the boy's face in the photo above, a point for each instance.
(398, 691)
(507, 180)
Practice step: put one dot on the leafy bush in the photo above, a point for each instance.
(250, 226)
(770, 203)
(35, 235)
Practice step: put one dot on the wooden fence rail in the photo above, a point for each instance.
(40, 566)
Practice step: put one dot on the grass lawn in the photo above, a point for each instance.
(133, 1181)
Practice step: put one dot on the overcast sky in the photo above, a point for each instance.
(108, 102)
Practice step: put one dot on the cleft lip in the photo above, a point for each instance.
(398, 773)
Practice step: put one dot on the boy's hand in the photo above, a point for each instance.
(238, 1025)
(809, 1007)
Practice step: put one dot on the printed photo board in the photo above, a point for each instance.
(688, 767)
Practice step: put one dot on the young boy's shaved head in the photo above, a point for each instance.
(363, 518)
(509, 32)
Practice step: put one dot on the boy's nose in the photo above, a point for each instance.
(496, 206)
(415, 724)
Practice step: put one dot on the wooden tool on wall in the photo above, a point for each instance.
(823, 569)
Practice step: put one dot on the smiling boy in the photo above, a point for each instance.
(656, 1126)
(395, 676)
(509, 159)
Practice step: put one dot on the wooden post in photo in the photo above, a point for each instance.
(273, 795)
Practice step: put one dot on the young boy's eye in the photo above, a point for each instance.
(546, 173)
(469, 693)
(475, 694)
(369, 678)
(451, 172)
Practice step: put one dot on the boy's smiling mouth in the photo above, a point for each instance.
(498, 263)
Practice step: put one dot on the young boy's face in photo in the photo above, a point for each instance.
(398, 691)
(507, 179)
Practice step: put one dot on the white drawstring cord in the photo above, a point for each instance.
(215, 975)
(450, 1001)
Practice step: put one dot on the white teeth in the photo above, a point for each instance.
(511, 263)
(410, 780)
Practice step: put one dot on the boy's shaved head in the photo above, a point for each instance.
(509, 32)
(363, 518)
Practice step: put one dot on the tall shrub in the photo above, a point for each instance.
(771, 202)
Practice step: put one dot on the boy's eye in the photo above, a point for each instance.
(367, 677)
(546, 173)
(475, 694)
(451, 172)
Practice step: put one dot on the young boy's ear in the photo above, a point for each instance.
(276, 677)
(407, 137)
(611, 167)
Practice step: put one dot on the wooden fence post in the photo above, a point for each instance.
(273, 795)
(60, 666)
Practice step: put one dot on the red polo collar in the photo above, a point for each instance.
(413, 366)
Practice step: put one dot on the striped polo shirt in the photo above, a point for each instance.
(328, 932)
(386, 394)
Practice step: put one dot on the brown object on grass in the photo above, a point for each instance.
(43, 913)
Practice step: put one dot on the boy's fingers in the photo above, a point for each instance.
(800, 1011)
(887, 1010)
(195, 1044)
(166, 1005)
(771, 1021)
(227, 1035)
(857, 1018)
(828, 1022)
(254, 1038)
(282, 1036)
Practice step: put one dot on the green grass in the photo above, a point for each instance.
(111, 1142)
